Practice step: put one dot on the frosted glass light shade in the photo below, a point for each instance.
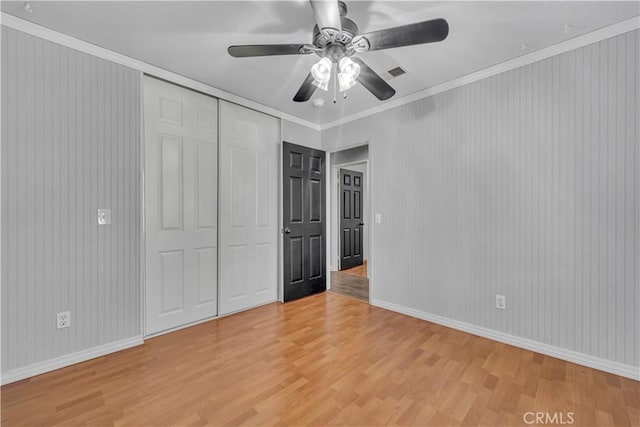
(321, 71)
(321, 85)
(349, 68)
(345, 81)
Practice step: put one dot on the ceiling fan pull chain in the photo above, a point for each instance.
(335, 77)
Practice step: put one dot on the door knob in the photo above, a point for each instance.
(286, 230)
(361, 224)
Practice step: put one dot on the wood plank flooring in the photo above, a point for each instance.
(322, 360)
(350, 285)
(359, 270)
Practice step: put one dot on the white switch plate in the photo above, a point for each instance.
(104, 216)
(63, 320)
(501, 302)
(378, 218)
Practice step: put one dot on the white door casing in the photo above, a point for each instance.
(181, 205)
(249, 149)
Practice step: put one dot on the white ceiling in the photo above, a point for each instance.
(191, 38)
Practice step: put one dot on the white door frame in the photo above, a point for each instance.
(279, 166)
(143, 234)
(369, 231)
(334, 170)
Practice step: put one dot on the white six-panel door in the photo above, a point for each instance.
(249, 143)
(181, 219)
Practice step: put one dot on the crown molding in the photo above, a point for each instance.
(36, 30)
(538, 55)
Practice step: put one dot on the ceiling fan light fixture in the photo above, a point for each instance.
(346, 81)
(349, 68)
(321, 71)
(321, 85)
(335, 39)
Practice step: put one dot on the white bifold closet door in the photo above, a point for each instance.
(249, 143)
(181, 209)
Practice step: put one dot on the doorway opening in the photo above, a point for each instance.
(350, 207)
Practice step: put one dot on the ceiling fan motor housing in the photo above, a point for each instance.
(336, 44)
(322, 40)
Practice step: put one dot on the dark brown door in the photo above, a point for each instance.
(303, 221)
(351, 221)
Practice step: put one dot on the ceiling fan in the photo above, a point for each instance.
(336, 40)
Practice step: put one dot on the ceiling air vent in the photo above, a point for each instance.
(396, 72)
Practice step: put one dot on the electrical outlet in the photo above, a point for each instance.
(104, 216)
(501, 302)
(63, 320)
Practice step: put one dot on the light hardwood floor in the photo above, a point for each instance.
(322, 360)
(350, 285)
(359, 270)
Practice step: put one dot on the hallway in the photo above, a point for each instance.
(352, 282)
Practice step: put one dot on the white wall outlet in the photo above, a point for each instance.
(378, 218)
(104, 216)
(63, 320)
(501, 302)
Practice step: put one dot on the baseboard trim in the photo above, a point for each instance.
(91, 353)
(69, 359)
(609, 366)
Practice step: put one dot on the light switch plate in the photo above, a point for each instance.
(104, 216)
(378, 218)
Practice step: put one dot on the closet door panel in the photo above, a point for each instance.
(249, 143)
(181, 206)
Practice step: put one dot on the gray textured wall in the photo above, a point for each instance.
(350, 155)
(524, 184)
(301, 135)
(70, 145)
